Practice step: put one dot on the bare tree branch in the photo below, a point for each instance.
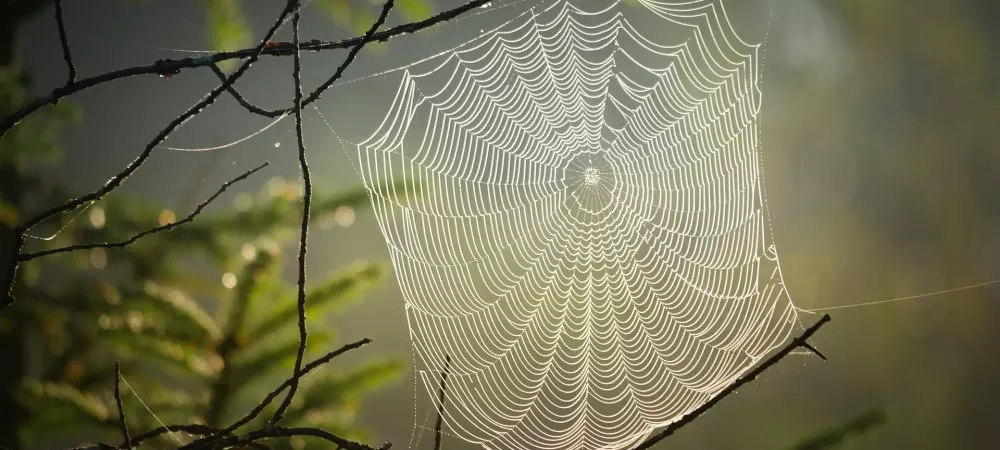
(800, 342)
(212, 435)
(253, 109)
(318, 92)
(192, 429)
(213, 438)
(166, 227)
(67, 55)
(304, 229)
(307, 184)
(315, 95)
(255, 412)
(169, 67)
(272, 432)
(440, 419)
(121, 409)
(17, 244)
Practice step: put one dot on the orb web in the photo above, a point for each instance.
(587, 240)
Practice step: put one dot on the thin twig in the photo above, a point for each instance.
(121, 410)
(213, 434)
(318, 92)
(800, 341)
(192, 429)
(810, 347)
(304, 228)
(274, 394)
(307, 185)
(273, 432)
(215, 438)
(67, 55)
(239, 98)
(315, 95)
(440, 419)
(168, 67)
(17, 244)
(166, 227)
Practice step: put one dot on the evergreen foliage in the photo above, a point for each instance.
(194, 350)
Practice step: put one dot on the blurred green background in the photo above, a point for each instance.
(881, 166)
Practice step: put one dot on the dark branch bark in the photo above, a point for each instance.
(121, 410)
(239, 98)
(440, 420)
(318, 92)
(167, 227)
(257, 410)
(212, 437)
(799, 342)
(67, 54)
(192, 429)
(307, 183)
(368, 37)
(273, 432)
(304, 228)
(18, 242)
(167, 67)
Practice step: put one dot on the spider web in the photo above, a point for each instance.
(588, 240)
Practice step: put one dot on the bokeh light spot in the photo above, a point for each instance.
(229, 280)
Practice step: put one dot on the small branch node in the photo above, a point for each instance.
(810, 347)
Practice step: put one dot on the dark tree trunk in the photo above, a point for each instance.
(12, 338)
